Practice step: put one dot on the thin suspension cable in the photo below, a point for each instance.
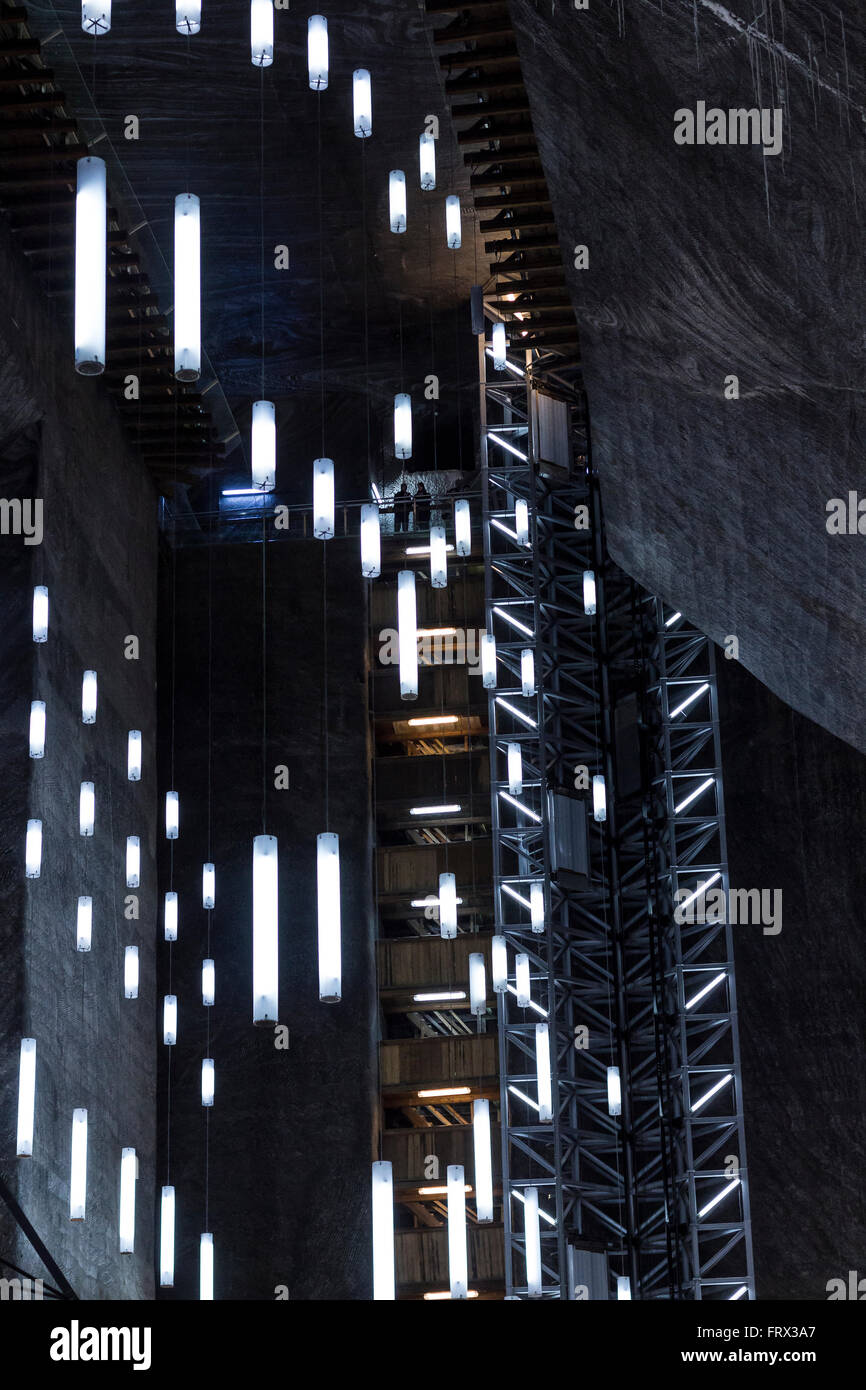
(321, 272)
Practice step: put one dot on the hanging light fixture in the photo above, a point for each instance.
(542, 1073)
(37, 729)
(599, 799)
(462, 527)
(362, 103)
(133, 861)
(263, 445)
(402, 426)
(86, 809)
(397, 200)
(317, 52)
(84, 924)
(623, 1288)
(407, 635)
(488, 661)
(207, 1081)
(483, 1160)
(427, 161)
(323, 499)
(91, 221)
(328, 882)
(166, 1238)
(187, 287)
(205, 1267)
(169, 1020)
(208, 885)
(96, 16)
(170, 916)
(452, 223)
(88, 698)
(521, 978)
(527, 672)
(172, 815)
(536, 906)
(78, 1166)
(208, 982)
(383, 1232)
(187, 16)
(438, 558)
(40, 613)
(133, 756)
(532, 1241)
(371, 541)
(265, 929)
(515, 769)
(458, 1265)
(521, 521)
(588, 592)
(477, 985)
(130, 973)
(26, 1097)
(447, 906)
(614, 1092)
(499, 349)
(261, 33)
(499, 964)
(128, 1175)
(33, 849)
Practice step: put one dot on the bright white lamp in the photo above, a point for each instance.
(133, 755)
(397, 200)
(205, 1267)
(527, 672)
(208, 982)
(588, 592)
(462, 527)
(427, 161)
(317, 52)
(187, 287)
(91, 222)
(477, 985)
(371, 541)
(532, 1236)
(521, 968)
(362, 103)
(208, 885)
(130, 973)
(447, 906)
(96, 16)
(261, 33)
(499, 350)
(542, 1070)
(328, 882)
(536, 906)
(26, 1097)
(265, 930)
(407, 635)
(614, 1091)
(172, 815)
(169, 1020)
(88, 698)
(599, 799)
(438, 558)
(78, 1167)
(170, 916)
(499, 964)
(483, 1160)
(40, 613)
(33, 849)
(126, 1224)
(515, 769)
(402, 426)
(133, 861)
(488, 661)
(383, 1232)
(207, 1081)
(37, 729)
(521, 521)
(323, 499)
(84, 924)
(187, 16)
(86, 808)
(458, 1263)
(452, 223)
(166, 1238)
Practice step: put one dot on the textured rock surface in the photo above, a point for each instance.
(709, 261)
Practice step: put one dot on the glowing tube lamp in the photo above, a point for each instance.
(133, 861)
(265, 929)
(187, 287)
(542, 1071)
(499, 964)
(205, 1267)
(499, 349)
(328, 882)
(599, 799)
(323, 499)
(133, 756)
(84, 924)
(207, 1081)
(169, 1020)
(371, 541)
(383, 1232)
(483, 1160)
(96, 16)
(407, 635)
(623, 1288)
(33, 849)
(37, 729)
(90, 265)
(362, 103)
(166, 1238)
(261, 33)
(402, 426)
(527, 672)
(26, 1097)
(40, 613)
(208, 885)
(462, 527)
(78, 1166)
(397, 200)
(521, 521)
(172, 815)
(477, 985)
(447, 906)
(438, 558)
(614, 1092)
(458, 1265)
(88, 698)
(521, 967)
(126, 1224)
(86, 809)
(488, 661)
(317, 52)
(208, 982)
(515, 769)
(452, 223)
(187, 16)
(532, 1236)
(536, 906)
(589, 596)
(130, 973)
(170, 916)
(427, 161)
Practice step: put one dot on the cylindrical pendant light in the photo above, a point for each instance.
(265, 929)
(26, 1097)
(499, 351)
(172, 815)
(483, 1160)
(170, 916)
(208, 982)
(86, 809)
(536, 906)
(462, 527)
(37, 729)
(187, 16)
(488, 661)
(362, 103)
(205, 1267)
(477, 985)
(84, 924)
(187, 287)
(447, 906)
(78, 1167)
(323, 499)
(133, 861)
(166, 1238)
(588, 592)
(614, 1091)
(623, 1288)
(317, 52)
(40, 613)
(371, 541)
(397, 200)
(88, 697)
(383, 1232)
(438, 558)
(599, 799)
(515, 769)
(33, 849)
(169, 1020)
(91, 222)
(527, 672)
(208, 885)
(452, 223)
(458, 1264)
(521, 971)
(130, 973)
(402, 426)
(542, 1072)
(532, 1234)
(521, 520)
(407, 635)
(328, 880)
(427, 161)
(126, 1224)
(133, 756)
(207, 1081)
(499, 964)
(96, 16)
(263, 446)
(262, 33)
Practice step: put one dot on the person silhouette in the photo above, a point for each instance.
(422, 508)
(402, 504)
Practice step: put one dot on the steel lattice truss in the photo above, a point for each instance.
(612, 972)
